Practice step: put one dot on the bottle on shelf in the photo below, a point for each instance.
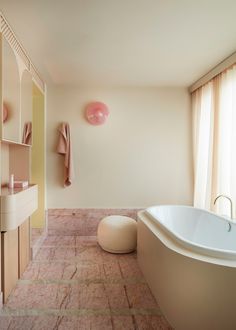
(11, 181)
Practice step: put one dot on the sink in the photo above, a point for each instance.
(17, 205)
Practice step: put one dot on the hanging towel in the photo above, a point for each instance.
(27, 133)
(64, 148)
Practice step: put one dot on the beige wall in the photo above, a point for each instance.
(140, 157)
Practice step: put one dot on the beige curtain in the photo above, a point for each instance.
(214, 141)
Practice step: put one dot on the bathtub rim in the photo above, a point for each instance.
(176, 246)
(206, 250)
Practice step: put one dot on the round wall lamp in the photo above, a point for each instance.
(96, 113)
(5, 113)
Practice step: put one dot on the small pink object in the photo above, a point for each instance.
(5, 112)
(96, 113)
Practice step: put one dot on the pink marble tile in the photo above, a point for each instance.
(123, 323)
(5, 322)
(58, 241)
(63, 253)
(91, 296)
(151, 322)
(33, 296)
(66, 222)
(63, 296)
(86, 323)
(97, 296)
(116, 296)
(97, 323)
(91, 271)
(80, 243)
(69, 271)
(84, 272)
(43, 254)
(68, 231)
(140, 296)
(140, 322)
(88, 253)
(107, 256)
(50, 241)
(44, 271)
(43, 323)
(56, 253)
(112, 270)
(27, 322)
(129, 268)
(86, 240)
(114, 257)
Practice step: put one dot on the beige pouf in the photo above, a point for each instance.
(117, 234)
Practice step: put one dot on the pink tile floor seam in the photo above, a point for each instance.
(73, 284)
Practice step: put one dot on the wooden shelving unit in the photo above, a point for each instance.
(17, 78)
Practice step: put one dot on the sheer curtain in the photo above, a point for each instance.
(214, 141)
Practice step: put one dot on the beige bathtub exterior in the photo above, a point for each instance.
(193, 294)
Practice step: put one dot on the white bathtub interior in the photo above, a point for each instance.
(197, 226)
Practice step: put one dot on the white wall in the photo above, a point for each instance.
(140, 157)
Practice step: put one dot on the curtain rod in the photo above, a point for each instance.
(230, 60)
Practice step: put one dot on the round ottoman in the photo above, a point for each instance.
(117, 234)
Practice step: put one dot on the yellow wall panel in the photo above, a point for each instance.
(38, 157)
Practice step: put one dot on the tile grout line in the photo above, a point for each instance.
(73, 260)
(75, 246)
(79, 312)
(127, 280)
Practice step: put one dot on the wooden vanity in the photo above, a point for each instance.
(16, 207)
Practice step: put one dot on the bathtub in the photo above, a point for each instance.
(188, 257)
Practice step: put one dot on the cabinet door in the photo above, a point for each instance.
(9, 261)
(24, 246)
(1, 295)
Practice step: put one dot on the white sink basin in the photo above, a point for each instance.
(17, 205)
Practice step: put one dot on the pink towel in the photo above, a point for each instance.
(27, 133)
(64, 148)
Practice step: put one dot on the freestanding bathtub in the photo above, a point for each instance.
(188, 257)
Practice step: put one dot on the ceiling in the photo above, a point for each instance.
(124, 42)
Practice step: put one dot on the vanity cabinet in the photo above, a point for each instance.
(15, 256)
(9, 256)
(16, 207)
(1, 294)
(24, 255)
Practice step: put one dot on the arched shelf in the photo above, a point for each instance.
(10, 93)
(26, 107)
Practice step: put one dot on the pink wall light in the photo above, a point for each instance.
(5, 112)
(96, 113)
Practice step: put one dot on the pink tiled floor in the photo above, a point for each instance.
(73, 284)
